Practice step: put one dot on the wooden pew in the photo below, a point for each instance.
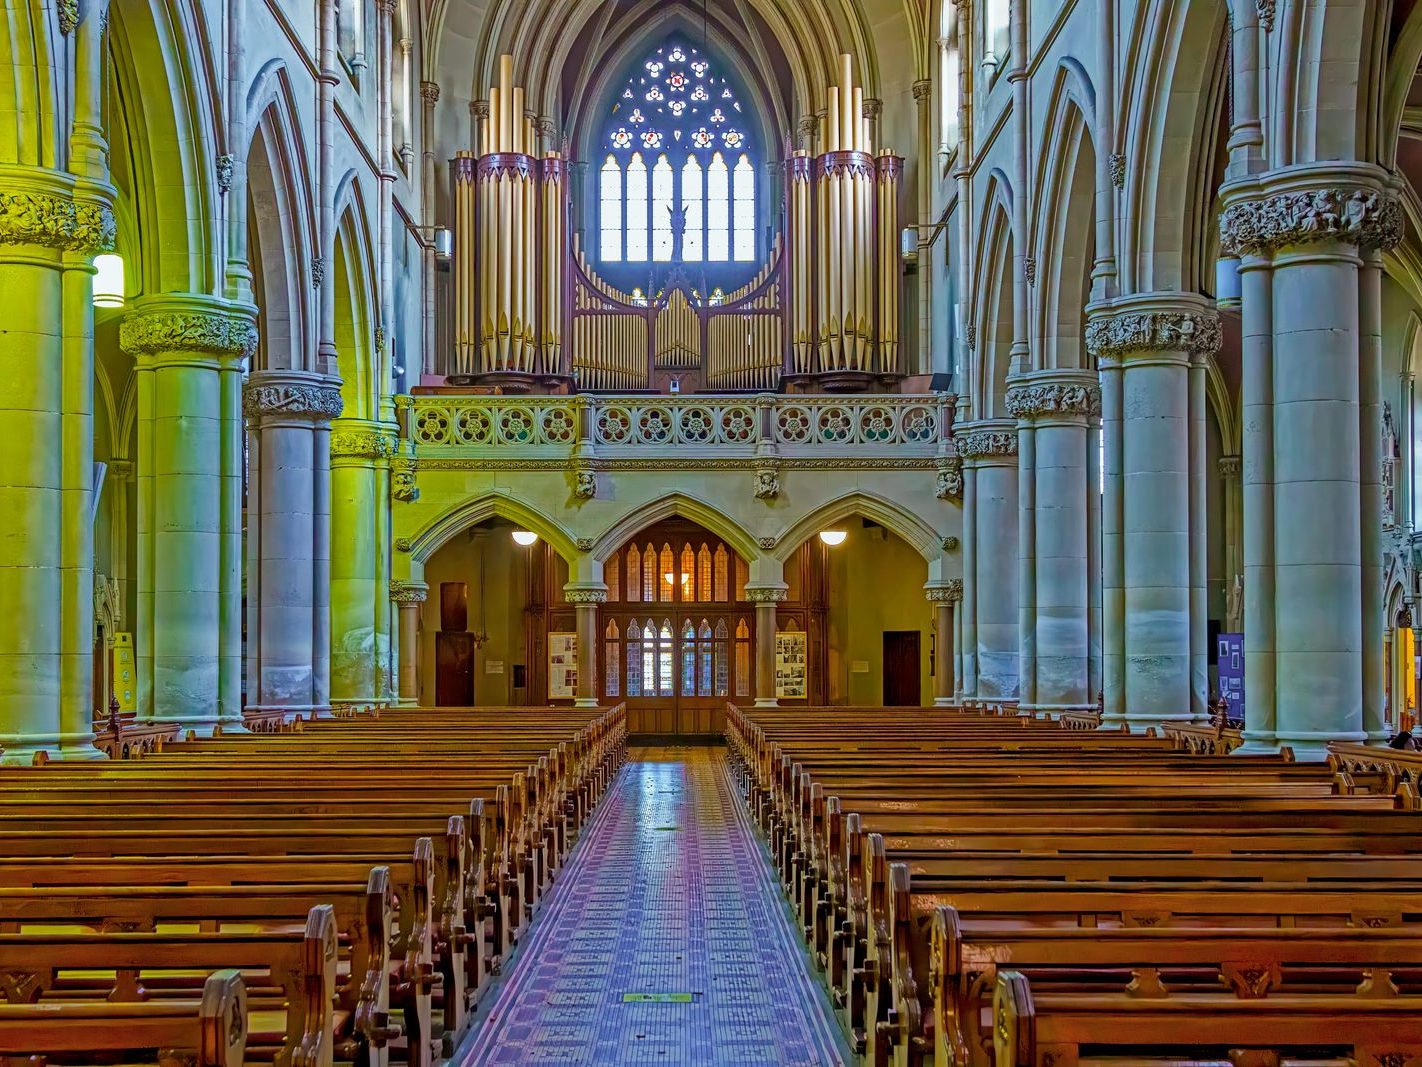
(209, 1032)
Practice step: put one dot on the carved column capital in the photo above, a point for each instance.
(430, 92)
(1349, 211)
(585, 593)
(1230, 466)
(37, 208)
(1077, 395)
(189, 324)
(922, 90)
(767, 594)
(355, 439)
(945, 593)
(986, 440)
(290, 395)
(1151, 324)
(409, 592)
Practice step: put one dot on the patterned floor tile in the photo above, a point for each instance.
(665, 941)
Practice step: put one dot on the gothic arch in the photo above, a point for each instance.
(1066, 221)
(31, 131)
(670, 506)
(1172, 99)
(908, 526)
(1322, 46)
(497, 503)
(352, 274)
(994, 303)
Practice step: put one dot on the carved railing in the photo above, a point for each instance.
(1198, 740)
(905, 430)
(1374, 769)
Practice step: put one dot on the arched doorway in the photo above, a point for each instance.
(678, 635)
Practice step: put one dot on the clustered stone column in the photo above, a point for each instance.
(1151, 350)
(1309, 239)
(289, 415)
(51, 225)
(990, 505)
(585, 598)
(408, 596)
(189, 351)
(943, 597)
(360, 564)
(766, 597)
(1058, 538)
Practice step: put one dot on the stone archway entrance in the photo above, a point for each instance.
(677, 633)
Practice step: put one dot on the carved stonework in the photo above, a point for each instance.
(68, 13)
(225, 164)
(947, 593)
(978, 443)
(950, 544)
(762, 594)
(1368, 218)
(430, 91)
(409, 592)
(1230, 466)
(479, 109)
(1054, 398)
(1264, 11)
(212, 332)
(404, 544)
(55, 222)
(1113, 336)
(1030, 267)
(970, 335)
(317, 403)
(767, 483)
(403, 486)
(585, 544)
(768, 543)
(1116, 164)
(950, 480)
(364, 444)
(585, 485)
(318, 272)
(380, 340)
(585, 596)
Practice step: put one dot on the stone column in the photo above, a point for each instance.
(989, 451)
(1230, 467)
(1055, 411)
(1153, 638)
(585, 598)
(189, 350)
(288, 416)
(360, 598)
(408, 596)
(1320, 228)
(51, 225)
(766, 598)
(943, 597)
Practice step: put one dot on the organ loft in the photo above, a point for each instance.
(721, 532)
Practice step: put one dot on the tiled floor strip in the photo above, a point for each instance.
(666, 941)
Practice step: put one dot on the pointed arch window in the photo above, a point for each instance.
(678, 149)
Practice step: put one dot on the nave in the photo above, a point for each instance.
(665, 941)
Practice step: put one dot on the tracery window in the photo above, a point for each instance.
(949, 95)
(679, 153)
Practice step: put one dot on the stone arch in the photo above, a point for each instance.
(676, 505)
(893, 517)
(494, 504)
(283, 228)
(31, 129)
(1172, 99)
(1067, 228)
(1323, 46)
(166, 119)
(995, 303)
(352, 274)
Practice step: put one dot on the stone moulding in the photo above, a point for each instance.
(1112, 336)
(409, 592)
(35, 218)
(947, 593)
(217, 332)
(977, 443)
(585, 596)
(1054, 398)
(767, 594)
(318, 403)
(1369, 218)
(364, 444)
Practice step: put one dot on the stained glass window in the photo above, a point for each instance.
(678, 149)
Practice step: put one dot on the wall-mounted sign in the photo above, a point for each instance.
(562, 666)
(790, 665)
(1231, 668)
(124, 679)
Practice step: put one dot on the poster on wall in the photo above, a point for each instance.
(562, 666)
(790, 670)
(1231, 669)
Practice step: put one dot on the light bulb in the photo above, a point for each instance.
(833, 538)
(108, 281)
(525, 538)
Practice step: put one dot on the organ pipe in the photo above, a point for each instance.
(844, 274)
(511, 223)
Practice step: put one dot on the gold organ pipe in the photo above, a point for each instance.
(846, 100)
(856, 118)
(832, 137)
(505, 142)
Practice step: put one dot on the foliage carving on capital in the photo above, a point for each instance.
(225, 165)
(585, 544)
(1116, 165)
(1230, 466)
(1113, 336)
(585, 596)
(977, 443)
(409, 592)
(767, 594)
(318, 272)
(946, 593)
(68, 13)
(1054, 398)
(364, 444)
(1264, 11)
(950, 544)
(430, 91)
(319, 403)
(214, 332)
(404, 544)
(1029, 267)
(1369, 218)
(35, 218)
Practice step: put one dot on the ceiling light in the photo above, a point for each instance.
(525, 538)
(833, 538)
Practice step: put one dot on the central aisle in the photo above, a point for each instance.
(666, 941)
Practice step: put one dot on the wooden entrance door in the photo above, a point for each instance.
(454, 670)
(677, 632)
(902, 669)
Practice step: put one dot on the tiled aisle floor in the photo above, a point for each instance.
(669, 893)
